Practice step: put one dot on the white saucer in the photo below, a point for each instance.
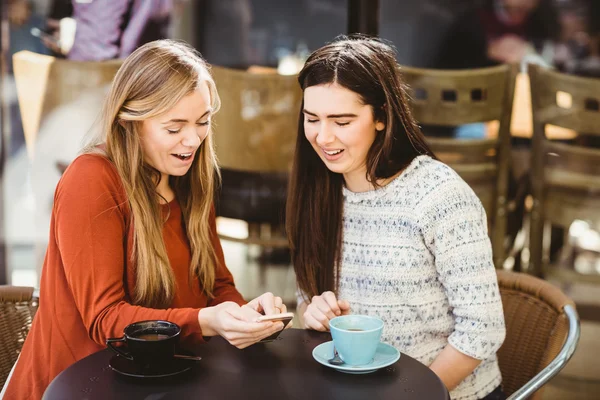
(386, 355)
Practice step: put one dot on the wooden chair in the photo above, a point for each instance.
(565, 177)
(255, 137)
(452, 98)
(45, 83)
(542, 333)
(17, 309)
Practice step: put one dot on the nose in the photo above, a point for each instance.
(324, 136)
(191, 138)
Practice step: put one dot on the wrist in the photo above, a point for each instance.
(206, 321)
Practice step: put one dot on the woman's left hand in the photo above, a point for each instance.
(268, 304)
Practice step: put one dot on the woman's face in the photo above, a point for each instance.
(170, 141)
(517, 11)
(340, 128)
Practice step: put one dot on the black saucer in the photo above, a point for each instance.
(163, 369)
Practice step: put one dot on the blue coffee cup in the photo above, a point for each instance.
(356, 337)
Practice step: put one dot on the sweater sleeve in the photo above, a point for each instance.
(90, 230)
(224, 289)
(455, 231)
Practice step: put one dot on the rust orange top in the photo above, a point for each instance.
(88, 277)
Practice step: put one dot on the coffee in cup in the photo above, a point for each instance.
(147, 342)
(356, 337)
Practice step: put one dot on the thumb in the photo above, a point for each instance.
(344, 305)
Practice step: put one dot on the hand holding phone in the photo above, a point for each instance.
(283, 317)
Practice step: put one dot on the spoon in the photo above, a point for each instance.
(192, 358)
(336, 360)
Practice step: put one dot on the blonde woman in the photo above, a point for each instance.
(133, 234)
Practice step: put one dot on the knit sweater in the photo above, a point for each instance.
(416, 254)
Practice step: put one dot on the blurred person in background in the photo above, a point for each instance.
(499, 31)
(108, 29)
(496, 32)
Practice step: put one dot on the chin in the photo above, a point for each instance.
(179, 172)
(335, 168)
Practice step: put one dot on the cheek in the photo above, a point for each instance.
(361, 138)
(203, 134)
(310, 132)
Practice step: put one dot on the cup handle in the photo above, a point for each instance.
(110, 343)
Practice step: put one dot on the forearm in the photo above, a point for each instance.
(113, 319)
(452, 366)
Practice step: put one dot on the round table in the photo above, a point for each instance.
(283, 369)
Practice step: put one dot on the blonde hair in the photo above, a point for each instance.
(151, 81)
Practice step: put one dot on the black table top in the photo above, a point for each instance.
(283, 369)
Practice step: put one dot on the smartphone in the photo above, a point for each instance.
(283, 317)
(276, 317)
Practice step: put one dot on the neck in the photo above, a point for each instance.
(164, 190)
(357, 182)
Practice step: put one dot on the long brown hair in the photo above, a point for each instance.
(367, 66)
(150, 82)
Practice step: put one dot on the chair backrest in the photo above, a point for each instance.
(564, 100)
(536, 328)
(456, 97)
(569, 102)
(256, 127)
(45, 83)
(17, 309)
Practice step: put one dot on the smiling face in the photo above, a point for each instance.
(341, 129)
(170, 141)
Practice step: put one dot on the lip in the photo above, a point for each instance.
(186, 161)
(330, 157)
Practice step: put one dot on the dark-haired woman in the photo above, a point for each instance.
(378, 226)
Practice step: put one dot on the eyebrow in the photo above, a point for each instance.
(344, 115)
(185, 120)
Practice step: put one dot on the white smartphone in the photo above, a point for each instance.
(276, 317)
(283, 317)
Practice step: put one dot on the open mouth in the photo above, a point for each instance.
(333, 152)
(183, 156)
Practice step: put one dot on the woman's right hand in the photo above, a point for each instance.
(236, 324)
(323, 308)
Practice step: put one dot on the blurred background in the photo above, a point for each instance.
(536, 174)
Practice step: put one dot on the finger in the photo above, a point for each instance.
(324, 307)
(278, 303)
(267, 301)
(331, 300)
(245, 341)
(243, 321)
(283, 308)
(278, 326)
(311, 323)
(248, 314)
(318, 316)
(344, 305)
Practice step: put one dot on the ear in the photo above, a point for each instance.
(379, 126)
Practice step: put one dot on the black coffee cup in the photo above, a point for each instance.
(147, 342)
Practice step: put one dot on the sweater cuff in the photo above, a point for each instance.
(190, 327)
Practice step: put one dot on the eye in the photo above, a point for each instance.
(342, 123)
(206, 123)
(173, 131)
(311, 121)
